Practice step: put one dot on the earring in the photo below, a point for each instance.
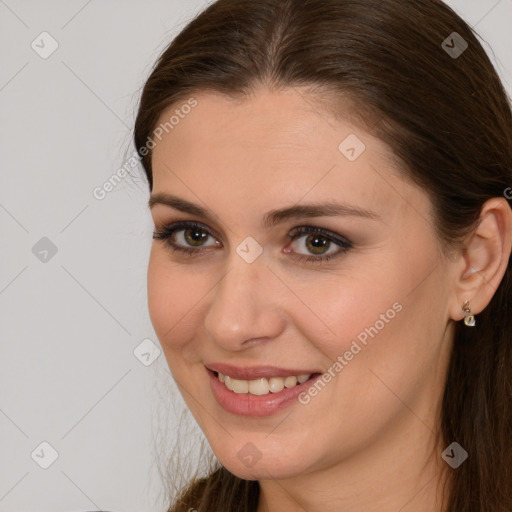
(469, 319)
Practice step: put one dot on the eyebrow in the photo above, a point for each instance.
(273, 217)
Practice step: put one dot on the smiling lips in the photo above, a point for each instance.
(259, 391)
(262, 386)
(260, 380)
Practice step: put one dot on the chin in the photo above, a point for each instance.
(275, 468)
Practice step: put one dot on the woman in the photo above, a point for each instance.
(330, 278)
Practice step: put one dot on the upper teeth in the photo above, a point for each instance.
(262, 386)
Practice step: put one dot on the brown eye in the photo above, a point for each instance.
(194, 237)
(184, 237)
(317, 242)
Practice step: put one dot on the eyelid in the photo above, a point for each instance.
(331, 235)
(184, 224)
(167, 231)
(175, 225)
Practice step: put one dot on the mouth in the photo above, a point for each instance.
(260, 396)
(263, 385)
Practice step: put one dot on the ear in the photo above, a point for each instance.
(484, 262)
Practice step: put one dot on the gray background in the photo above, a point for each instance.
(74, 321)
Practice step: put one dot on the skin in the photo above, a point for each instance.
(364, 442)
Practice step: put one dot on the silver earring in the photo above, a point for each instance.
(469, 319)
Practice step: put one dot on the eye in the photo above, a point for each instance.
(190, 237)
(184, 233)
(318, 242)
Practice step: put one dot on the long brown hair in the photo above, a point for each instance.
(447, 118)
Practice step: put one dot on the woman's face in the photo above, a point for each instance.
(371, 324)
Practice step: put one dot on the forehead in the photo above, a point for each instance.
(274, 148)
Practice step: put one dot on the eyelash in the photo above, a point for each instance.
(165, 234)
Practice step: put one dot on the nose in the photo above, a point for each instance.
(245, 306)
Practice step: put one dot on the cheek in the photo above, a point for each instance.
(381, 318)
(173, 296)
(398, 334)
(339, 309)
